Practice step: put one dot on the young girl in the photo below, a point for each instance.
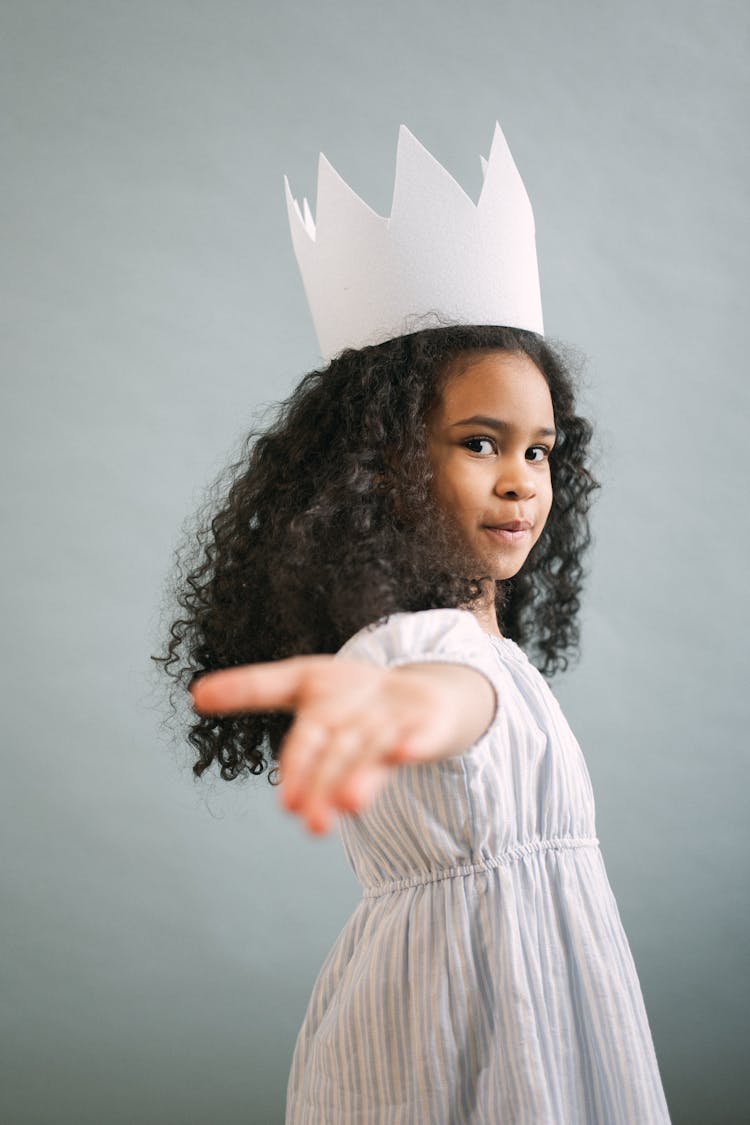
(417, 513)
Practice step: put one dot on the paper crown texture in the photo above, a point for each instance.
(439, 259)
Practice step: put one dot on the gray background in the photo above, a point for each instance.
(160, 937)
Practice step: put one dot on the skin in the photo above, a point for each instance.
(354, 722)
(484, 476)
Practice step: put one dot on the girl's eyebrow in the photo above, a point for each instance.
(499, 424)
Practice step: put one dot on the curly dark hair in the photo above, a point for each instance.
(326, 524)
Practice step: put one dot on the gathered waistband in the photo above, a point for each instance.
(511, 855)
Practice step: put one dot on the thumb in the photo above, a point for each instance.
(274, 686)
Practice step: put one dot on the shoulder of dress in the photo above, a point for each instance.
(399, 634)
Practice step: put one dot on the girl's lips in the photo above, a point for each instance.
(506, 536)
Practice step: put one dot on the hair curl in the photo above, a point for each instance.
(328, 524)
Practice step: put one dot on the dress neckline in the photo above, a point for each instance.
(495, 637)
(506, 644)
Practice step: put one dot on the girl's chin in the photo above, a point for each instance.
(504, 562)
(497, 573)
(500, 564)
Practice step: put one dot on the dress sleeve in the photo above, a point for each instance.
(446, 636)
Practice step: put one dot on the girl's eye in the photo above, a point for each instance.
(479, 441)
(545, 451)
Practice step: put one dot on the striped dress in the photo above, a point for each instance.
(485, 976)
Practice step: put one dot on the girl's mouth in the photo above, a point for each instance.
(506, 536)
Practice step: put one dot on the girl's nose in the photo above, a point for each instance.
(514, 478)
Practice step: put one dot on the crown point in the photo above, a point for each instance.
(424, 186)
(292, 205)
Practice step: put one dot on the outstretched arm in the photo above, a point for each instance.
(353, 722)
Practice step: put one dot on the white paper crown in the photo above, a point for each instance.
(439, 259)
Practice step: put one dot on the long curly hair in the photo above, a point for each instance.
(326, 523)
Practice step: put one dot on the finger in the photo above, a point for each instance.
(343, 751)
(413, 739)
(375, 751)
(303, 744)
(419, 740)
(364, 783)
(273, 686)
(349, 772)
(338, 777)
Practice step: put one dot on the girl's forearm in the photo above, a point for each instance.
(472, 696)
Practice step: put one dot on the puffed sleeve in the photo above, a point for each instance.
(446, 636)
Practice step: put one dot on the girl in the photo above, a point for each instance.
(416, 515)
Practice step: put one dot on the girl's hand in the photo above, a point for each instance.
(354, 722)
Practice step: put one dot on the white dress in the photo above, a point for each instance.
(485, 976)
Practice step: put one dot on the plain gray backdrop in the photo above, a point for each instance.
(160, 937)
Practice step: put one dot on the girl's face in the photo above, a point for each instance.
(489, 439)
